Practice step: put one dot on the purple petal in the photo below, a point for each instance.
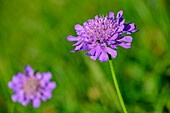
(17, 87)
(114, 46)
(42, 83)
(44, 98)
(14, 86)
(111, 15)
(38, 76)
(129, 27)
(74, 51)
(51, 85)
(125, 45)
(104, 56)
(111, 42)
(29, 71)
(84, 24)
(78, 27)
(97, 54)
(114, 36)
(76, 44)
(112, 52)
(15, 97)
(47, 76)
(25, 101)
(10, 85)
(86, 47)
(122, 22)
(96, 17)
(21, 78)
(72, 38)
(16, 79)
(32, 97)
(91, 52)
(135, 30)
(20, 92)
(47, 93)
(79, 47)
(21, 98)
(119, 14)
(121, 27)
(89, 20)
(36, 102)
(126, 39)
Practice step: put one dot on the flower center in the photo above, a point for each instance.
(31, 86)
(100, 29)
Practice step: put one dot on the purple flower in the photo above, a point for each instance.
(102, 35)
(30, 87)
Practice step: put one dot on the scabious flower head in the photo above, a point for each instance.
(30, 87)
(102, 35)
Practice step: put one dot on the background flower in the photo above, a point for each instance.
(31, 88)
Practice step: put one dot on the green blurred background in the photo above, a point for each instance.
(34, 32)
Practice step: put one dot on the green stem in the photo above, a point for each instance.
(117, 87)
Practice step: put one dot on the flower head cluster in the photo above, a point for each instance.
(102, 35)
(31, 88)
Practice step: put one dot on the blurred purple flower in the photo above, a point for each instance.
(101, 36)
(31, 88)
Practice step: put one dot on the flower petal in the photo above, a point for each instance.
(79, 47)
(18, 78)
(36, 102)
(51, 85)
(21, 77)
(129, 27)
(46, 76)
(86, 47)
(77, 43)
(78, 29)
(114, 46)
(96, 17)
(97, 54)
(15, 97)
(114, 37)
(25, 101)
(126, 39)
(119, 14)
(104, 56)
(42, 83)
(29, 71)
(91, 52)
(125, 45)
(112, 52)
(47, 93)
(38, 76)
(111, 15)
(73, 51)
(43, 98)
(21, 98)
(121, 21)
(14, 86)
(121, 27)
(10, 84)
(72, 38)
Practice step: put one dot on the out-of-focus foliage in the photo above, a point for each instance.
(34, 32)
